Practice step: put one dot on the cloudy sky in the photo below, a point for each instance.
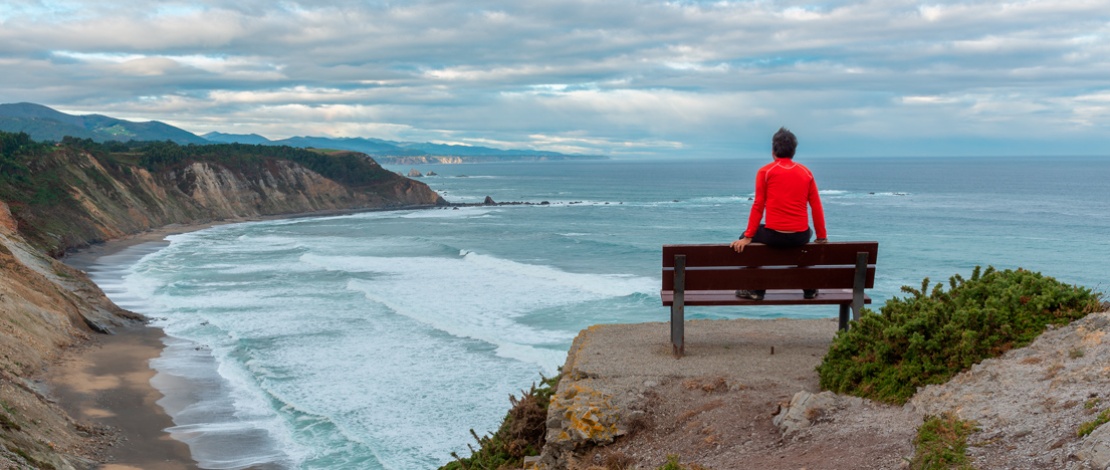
(624, 78)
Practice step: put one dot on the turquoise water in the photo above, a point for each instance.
(377, 340)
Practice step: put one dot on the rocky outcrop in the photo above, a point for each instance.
(7, 223)
(1095, 448)
(580, 415)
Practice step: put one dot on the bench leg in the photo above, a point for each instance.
(678, 307)
(858, 285)
(678, 333)
(844, 317)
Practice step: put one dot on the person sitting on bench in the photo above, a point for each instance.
(783, 188)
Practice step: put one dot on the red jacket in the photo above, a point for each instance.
(783, 188)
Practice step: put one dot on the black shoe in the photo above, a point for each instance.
(809, 293)
(750, 294)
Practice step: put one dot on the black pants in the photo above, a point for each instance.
(778, 239)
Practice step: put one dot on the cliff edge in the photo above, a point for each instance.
(746, 395)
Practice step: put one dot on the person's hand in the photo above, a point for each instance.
(821, 240)
(739, 245)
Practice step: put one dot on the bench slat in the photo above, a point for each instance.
(756, 254)
(773, 297)
(698, 279)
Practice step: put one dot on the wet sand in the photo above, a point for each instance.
(108, 380)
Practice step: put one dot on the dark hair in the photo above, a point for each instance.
(784, 143)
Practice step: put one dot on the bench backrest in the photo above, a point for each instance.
(813, 266)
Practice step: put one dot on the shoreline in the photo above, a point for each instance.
(108, 380)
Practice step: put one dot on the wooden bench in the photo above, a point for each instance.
(711, 274)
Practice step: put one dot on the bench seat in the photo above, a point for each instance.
(773, 297)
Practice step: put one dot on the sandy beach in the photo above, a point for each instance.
(107, 381)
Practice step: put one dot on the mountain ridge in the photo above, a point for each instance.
(47, 124)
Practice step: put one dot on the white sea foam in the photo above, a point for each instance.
(448, 213)
(721, 199)
(844, 194)
(460, 300)
(223, 425)
(279, 345)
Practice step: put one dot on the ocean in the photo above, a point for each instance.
(378, 340)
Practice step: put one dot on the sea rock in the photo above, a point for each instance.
(414, 173)
(489, 201)
(431, 173)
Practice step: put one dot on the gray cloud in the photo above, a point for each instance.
(617, 77)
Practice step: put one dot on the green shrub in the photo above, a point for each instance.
(521, 433)
(941, 444)
(931, 336)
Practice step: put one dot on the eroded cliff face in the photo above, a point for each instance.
(46, 306)
(115, 200)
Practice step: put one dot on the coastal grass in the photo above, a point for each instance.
(934, 334)
(1090, 426)
(520, 435)
(673, 463)
(941, 444)
(7, 423)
